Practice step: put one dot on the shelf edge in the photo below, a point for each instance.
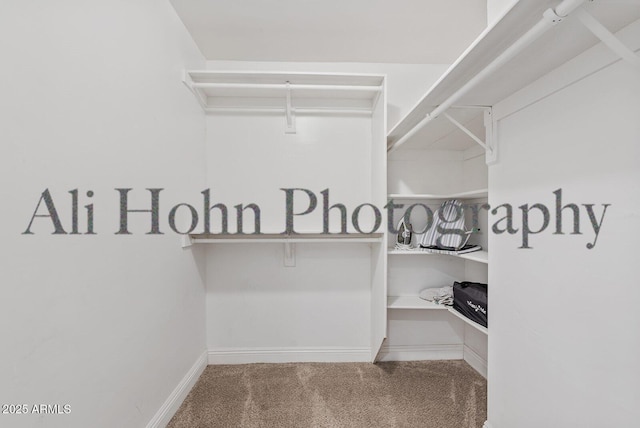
(473, 324)
(472, 194)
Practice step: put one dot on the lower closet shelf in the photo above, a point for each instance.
(411, 302)
(474, 324)
(415, 302)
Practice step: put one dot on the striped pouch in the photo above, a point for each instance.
(448, 230)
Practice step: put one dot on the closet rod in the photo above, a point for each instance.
(298, 110)
(283, 86)
(550, 18)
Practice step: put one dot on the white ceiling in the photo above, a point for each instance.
(390, 31)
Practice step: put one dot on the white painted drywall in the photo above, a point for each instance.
(402, 31)
(497, 8)
(406, 83)
(564, 343)
(254, 302)
(92, 99)
(423, 171)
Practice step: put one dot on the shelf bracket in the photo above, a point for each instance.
(291, 119)
(607, 37)
(466, 131)
(187, 241)
(188, 82)
(289, 254)
(491, 137)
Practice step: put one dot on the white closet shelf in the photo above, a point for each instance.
(415, 302)
(412, 302)
(473, 324)
(521, 47)
(267, 92)
(472, 194)
(267, 238)
(476, 256)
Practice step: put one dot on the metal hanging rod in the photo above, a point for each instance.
(470, 107)
(550, 18)
(280, 110)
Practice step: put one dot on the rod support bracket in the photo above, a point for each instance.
(491, 137)
(552, 17)
(290, 125)
(289, 254)
(187, 241)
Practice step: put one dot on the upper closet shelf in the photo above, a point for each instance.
(533, 38)
(472, 194)
(475, 256)
(278, 92)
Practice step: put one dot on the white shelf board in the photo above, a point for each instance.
(473, 324)
(301, 78)
(476, 256)
(561, 43)
(412, 302)
(220, 90)
(472, 194)
(269, 238)
(415, 302)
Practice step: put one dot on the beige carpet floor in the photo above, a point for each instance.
(425, 394)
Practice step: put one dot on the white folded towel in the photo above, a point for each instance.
(442, 295)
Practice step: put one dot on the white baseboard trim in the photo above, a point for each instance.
(177, 396)
(475, 361)
(288, 355)
(486, 425)
(421, 352)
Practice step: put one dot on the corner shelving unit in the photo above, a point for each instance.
(412, 318)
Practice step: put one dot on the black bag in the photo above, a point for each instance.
(470, 299)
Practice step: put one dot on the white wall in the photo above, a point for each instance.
(424, 171)
(564, 343)
(254, 303)
(497, 8)
(92, 99)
